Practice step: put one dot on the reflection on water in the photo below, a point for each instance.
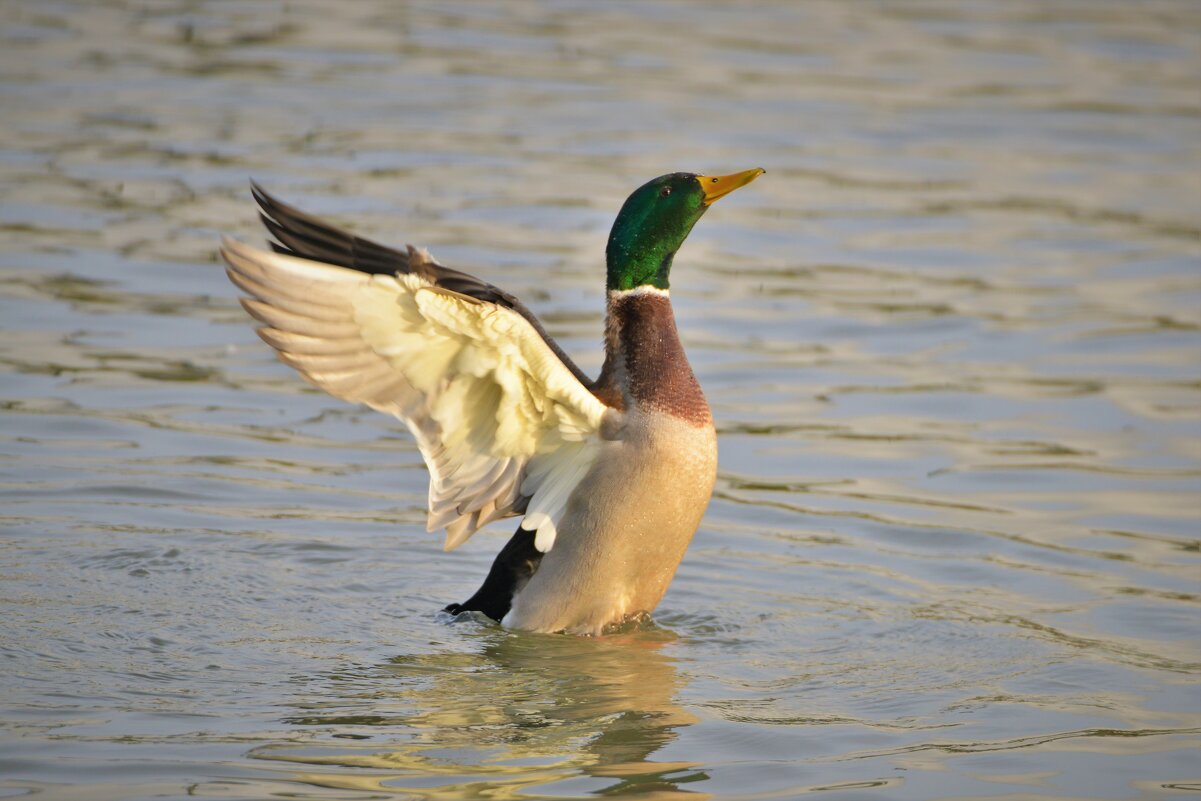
(525, 714)
(952, 342)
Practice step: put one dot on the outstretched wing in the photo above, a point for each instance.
(308, 237)
(505, 424)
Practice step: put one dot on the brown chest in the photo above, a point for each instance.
(645, 361)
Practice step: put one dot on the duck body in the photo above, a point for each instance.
(630, 521)
(615, 562)
(611, 477)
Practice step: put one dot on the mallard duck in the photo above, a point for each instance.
(610, 477)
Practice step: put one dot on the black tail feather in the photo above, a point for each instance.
(511, 569)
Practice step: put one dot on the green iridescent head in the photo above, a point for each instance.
(656, 220)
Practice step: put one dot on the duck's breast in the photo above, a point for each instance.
(626, 528)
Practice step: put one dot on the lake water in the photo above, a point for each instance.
(952, 341)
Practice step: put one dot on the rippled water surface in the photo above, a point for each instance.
(951, 341)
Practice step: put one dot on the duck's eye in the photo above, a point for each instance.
(665, 191)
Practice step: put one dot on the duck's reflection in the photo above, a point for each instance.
(524, 714)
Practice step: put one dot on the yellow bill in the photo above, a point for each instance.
(718, 186)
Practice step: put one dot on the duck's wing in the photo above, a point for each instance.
(308, 237)
(505, 424)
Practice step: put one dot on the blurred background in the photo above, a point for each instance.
(952, 341)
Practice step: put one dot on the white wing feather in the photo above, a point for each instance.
(499, 419)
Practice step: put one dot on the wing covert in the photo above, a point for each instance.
(308, 237)
(485, 393)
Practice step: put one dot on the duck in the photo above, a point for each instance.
(610, 476)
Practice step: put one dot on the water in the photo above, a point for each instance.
(952, 341)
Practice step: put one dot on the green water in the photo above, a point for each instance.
(952, 341)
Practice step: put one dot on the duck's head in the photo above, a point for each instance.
(656, 220)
